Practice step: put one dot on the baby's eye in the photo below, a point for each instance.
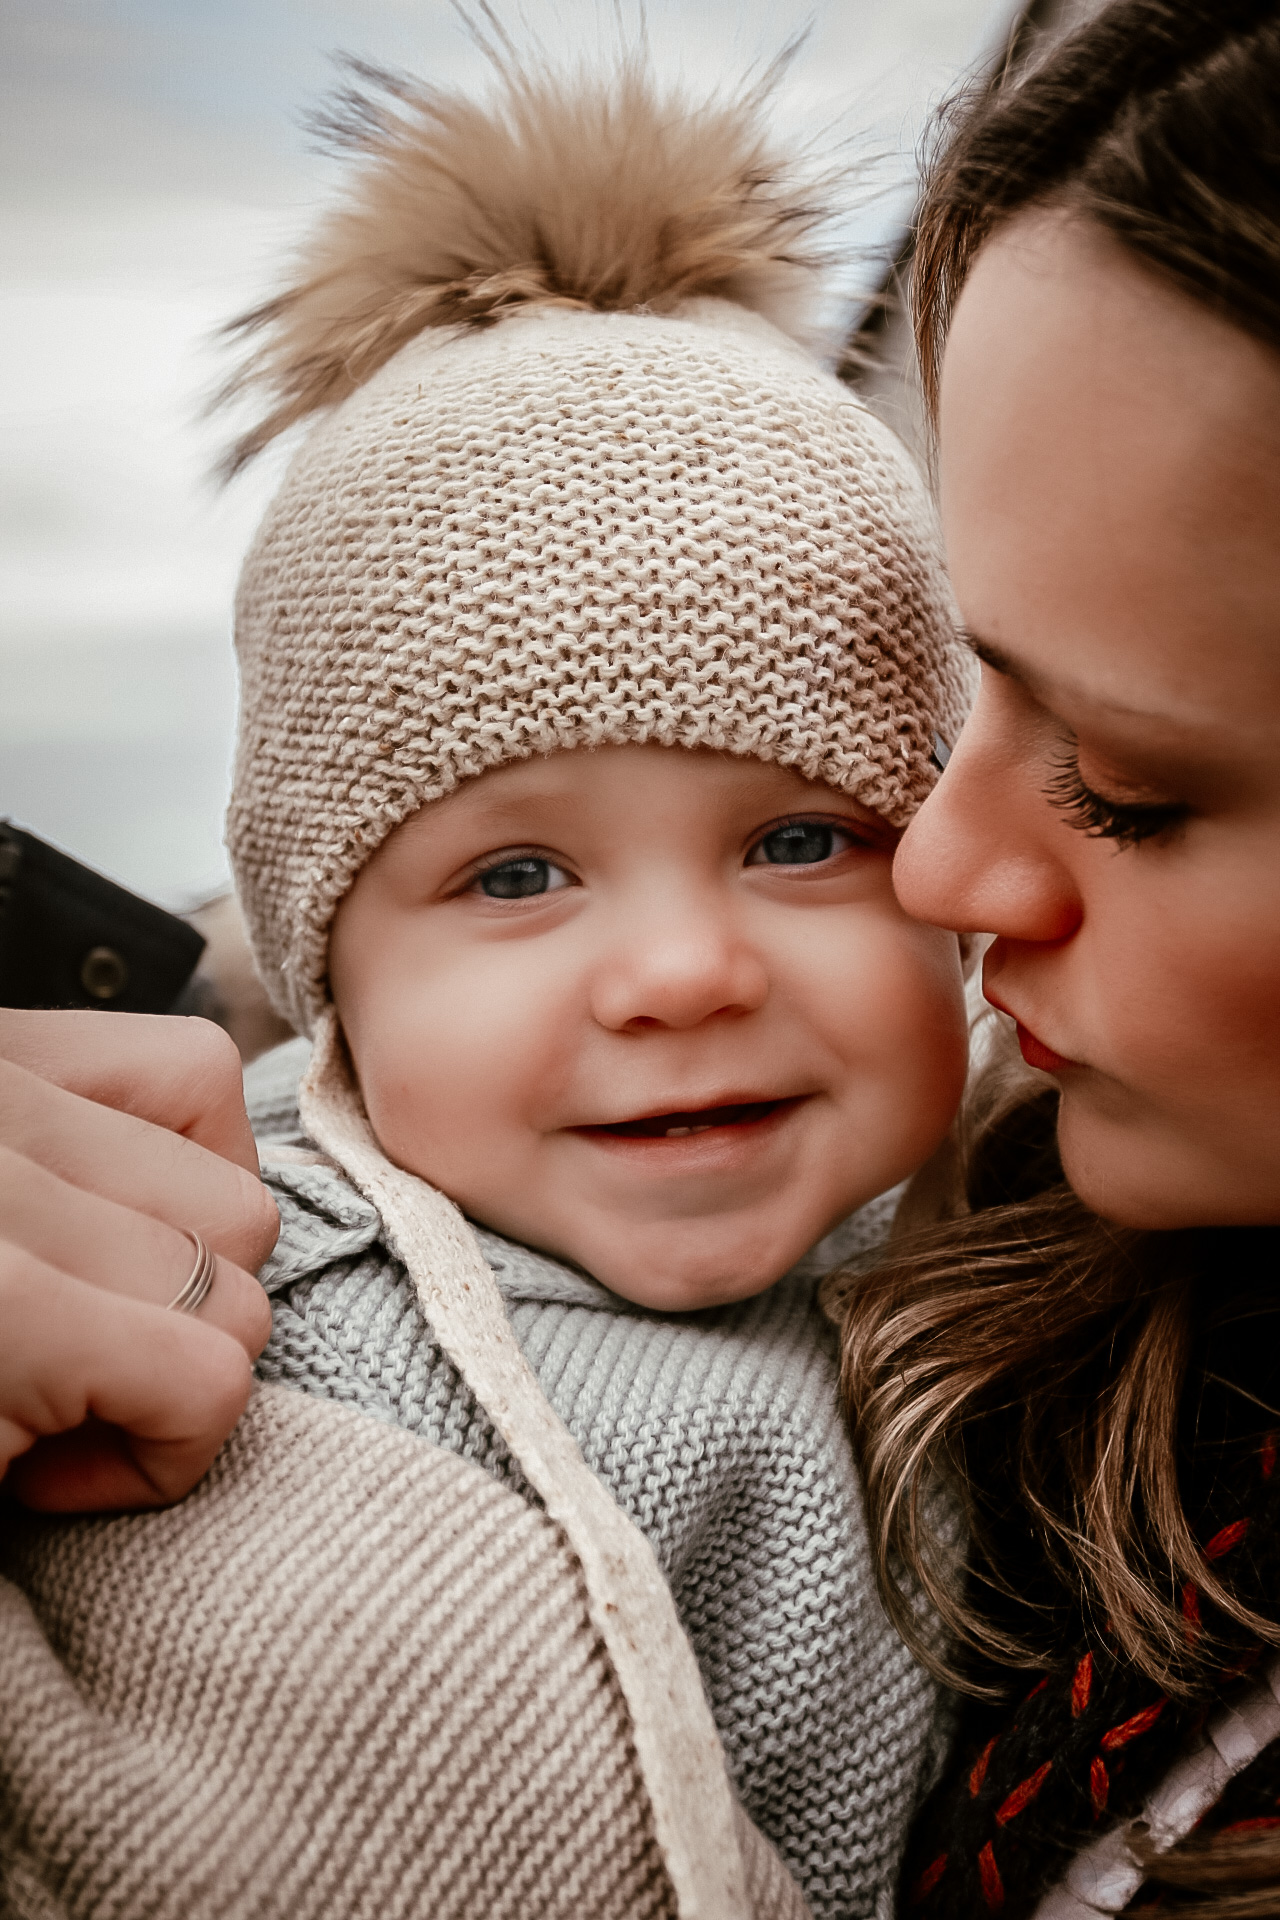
(800, 843)
(522, 878)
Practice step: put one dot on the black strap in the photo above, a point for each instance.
(71, 938)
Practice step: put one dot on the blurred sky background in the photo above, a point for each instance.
(154, 168)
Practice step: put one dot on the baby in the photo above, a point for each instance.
(595, 651)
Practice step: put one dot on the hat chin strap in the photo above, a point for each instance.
(629, 1602)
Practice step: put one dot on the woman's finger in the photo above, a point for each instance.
(121, 1250)
(170, 1387)
(137, 1164)
(177, 1072)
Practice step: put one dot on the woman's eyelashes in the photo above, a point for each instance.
(802, 843)
(1127, 822)
(520, 876)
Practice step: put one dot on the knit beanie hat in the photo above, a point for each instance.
(578, 483)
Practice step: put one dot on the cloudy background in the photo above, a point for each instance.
(154, 167)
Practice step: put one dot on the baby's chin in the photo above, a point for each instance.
(667, 1274)
(673, 1293)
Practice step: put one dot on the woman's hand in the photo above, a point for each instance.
(118, 1132)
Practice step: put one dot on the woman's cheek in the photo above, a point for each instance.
(1192, 1012)
(1175, 1120)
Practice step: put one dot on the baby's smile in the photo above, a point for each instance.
(654, 1010)
(742, 1117)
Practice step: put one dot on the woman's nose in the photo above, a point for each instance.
(675, 968)
(983, 855)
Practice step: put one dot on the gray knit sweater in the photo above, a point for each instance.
(718, 1433)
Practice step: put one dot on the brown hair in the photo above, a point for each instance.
(1160, 119)
(1027, 1353)
(1029, 1362)
(1032, 1357)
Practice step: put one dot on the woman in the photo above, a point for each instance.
(1095, 1368)
(118, 1133)
(1110, 413)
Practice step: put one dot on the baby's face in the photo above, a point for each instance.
(654, 1011)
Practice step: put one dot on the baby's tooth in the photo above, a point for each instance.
(678, 1133)
(703, 1126)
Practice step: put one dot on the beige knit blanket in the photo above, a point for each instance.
(351, 1675)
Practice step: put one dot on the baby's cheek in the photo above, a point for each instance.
(452, 1104)
(908, 1033)
(424, 1105)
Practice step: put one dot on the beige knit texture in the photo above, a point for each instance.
(569, 530)
(351, 1677)
(629, 1601)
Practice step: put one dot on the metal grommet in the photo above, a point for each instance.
(103, 973)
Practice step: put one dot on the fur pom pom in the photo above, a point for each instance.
(588, 189)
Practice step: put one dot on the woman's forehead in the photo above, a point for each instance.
(1110, 468)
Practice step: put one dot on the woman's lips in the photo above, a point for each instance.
(1036, 1054)
(1034, 1051)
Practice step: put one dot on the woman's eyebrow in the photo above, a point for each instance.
(989, 654)
(1051, 692)
(1047, 692)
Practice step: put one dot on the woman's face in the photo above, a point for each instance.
(1110, 474)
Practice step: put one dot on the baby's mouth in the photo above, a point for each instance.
(680, 1126)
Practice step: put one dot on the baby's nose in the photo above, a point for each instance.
(677, 976)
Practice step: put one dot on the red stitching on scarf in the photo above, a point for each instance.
(1191, 1613)
(1268, 1456)
(1080, 1686)
(1130, 1729)
(930, 1877)
(989, 1874)
(979, 1773)
(1023, 1796)
(1224, 1541)
(1099, 1786)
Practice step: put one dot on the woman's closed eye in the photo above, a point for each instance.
(802, 843)
(1127, 822)
(521, 876)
